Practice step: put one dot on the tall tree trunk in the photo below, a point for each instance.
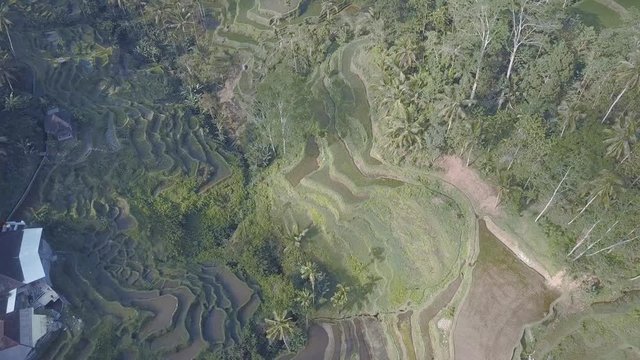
(13, 51)
(611, 247)
(514, 158)
(595, 242)
(553, 195)
(585, 237)
(564, 126)
(512, 59)
(585, 207)
(626, 87)
(283, 122)
(474, 88)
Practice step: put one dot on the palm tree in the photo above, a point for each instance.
(280, 328)
(628, 72)
(393, 95)
(450, 107)
(305, 301)
(328, 9)
(621, 137)
(181, 20)
(295, 241)
(607, 186)
(404, 53)
(340, 298)
(5, 22)
(309, 271)
(570, 116)
(420, 79)
(14, 102)
(405, 132)
(122, 4)
(6, 71)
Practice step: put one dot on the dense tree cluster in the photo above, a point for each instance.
(526, 92)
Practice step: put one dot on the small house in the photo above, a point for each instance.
(58, 125)
(24, 263)
(20, 332)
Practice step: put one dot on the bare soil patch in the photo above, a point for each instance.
(482, 195)
(484, 199)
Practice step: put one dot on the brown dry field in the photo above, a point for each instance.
(505, 295)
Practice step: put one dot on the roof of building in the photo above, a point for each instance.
(19, 255)
(32, 327)
(8, 302)
(20, 332)
(55, 125)
(17, 352)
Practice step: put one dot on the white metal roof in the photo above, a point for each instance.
(11, 301)
(32, 327)
(29, 257)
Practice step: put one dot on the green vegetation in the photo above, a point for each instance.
(241, 169)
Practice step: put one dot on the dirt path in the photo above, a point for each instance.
(483, 196)
(613, 5)
(484, 199)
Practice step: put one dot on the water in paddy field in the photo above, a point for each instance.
(505, 295)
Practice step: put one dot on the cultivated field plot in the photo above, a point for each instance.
(116, 274)
(400, 242)
(505, 295)
(278, 6)
(606, 330)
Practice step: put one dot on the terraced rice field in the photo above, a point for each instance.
(360, 210)
(403, 241)
(160, 311)
(400, 242)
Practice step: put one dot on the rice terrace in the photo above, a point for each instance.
(307, 179)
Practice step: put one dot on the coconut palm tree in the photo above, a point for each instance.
(5, 22)
(404, 53)
(627, 72)
(14, 102)
(280, 328)
(606, 186)
(393, 95)
(6, 71)
(449, 106)
(570, 116)
(420, 79)
(406, 132)
(181, 20)
(304, 299)
(340, 296)
(328, 9)
(620, 137)
(122, 4)
(295, 241)
(309, 271)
